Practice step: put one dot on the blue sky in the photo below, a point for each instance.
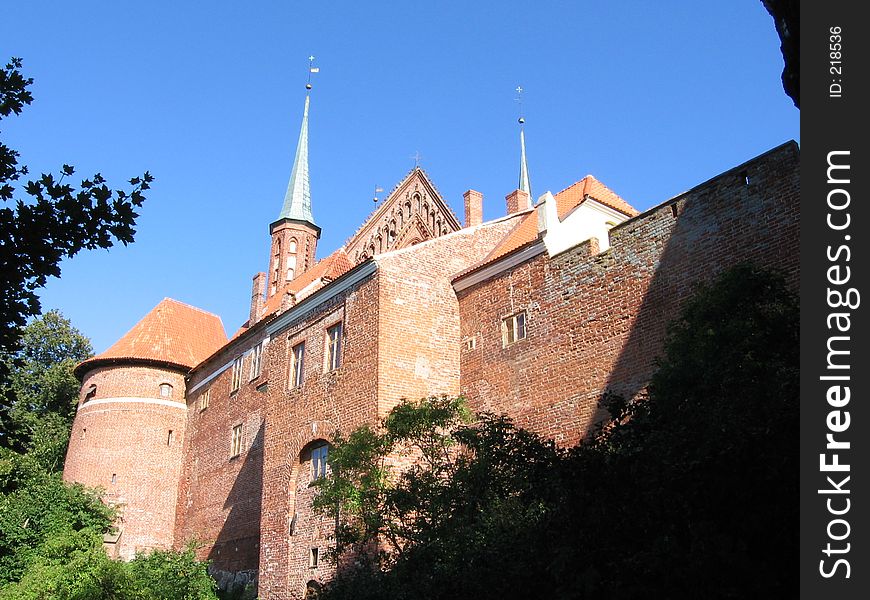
(650, 97)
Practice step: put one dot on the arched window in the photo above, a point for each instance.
(292, 246)
(165, 390)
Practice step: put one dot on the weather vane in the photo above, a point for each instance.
(377, 189)
(519, 99)
(311, 69)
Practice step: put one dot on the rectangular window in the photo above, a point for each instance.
(236, 445)
(513, 328)
(297, 364)
(170, 437)
(204, 399)
(256, 361)
(314, 558)
(237, 374)
(319, 457)
(333, 347)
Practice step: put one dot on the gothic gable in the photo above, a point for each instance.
(412, 213)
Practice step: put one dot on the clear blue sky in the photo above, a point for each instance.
(650, 97)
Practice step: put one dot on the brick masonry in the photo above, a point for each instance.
(127, 439)
(594, 321)
(597, 322)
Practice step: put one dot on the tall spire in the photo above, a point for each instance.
(297, 200)
(524, 183)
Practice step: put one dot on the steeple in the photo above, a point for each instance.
(297, 200)
(294, 234)
(524, 184)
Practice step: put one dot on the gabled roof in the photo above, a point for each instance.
(395, 197)
(567, 200)
(173, 333)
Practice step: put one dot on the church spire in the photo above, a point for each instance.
(294, 234)
(297, 200)
(524, 183)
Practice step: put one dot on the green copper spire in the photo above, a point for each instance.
(297, 200)
(524, 184)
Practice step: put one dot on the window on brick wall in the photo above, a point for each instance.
(91, 392)
(165, 390)
(237, 374)
(319, 459)
(513, 328)
(236, 443)
(313, 558)
(256, 361)
(204, 399)
(333, 347)
(297, 364)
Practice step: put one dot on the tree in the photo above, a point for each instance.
(41, 389)
(57, 221)
(689, 492)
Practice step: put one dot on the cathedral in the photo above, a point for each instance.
(199, 438)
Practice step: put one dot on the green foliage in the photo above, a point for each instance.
(41, 510)
(57, 220)
(376, 503)
(41, 389)
(690, 492)
(163, 575)
(72, 565)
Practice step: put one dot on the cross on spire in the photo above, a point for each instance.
(416, 156)
(311, 69)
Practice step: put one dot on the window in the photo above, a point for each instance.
(165, 390)
(236, 445)
(319, 458)
(297, 364)
(333, 347)
(204, 399)
(256, 361)
(513, 328)
(170, 437)
(237, 374)
(91, 392)
(314, 557)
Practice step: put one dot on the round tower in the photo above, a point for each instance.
(128, 432)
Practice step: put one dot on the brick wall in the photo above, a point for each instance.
(598, 321)
(299, 417)
(219, 495)
(127, 439)
(418, 324)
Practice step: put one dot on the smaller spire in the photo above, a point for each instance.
(524, 183)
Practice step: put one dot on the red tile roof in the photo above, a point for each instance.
(333, 266)
(173, 332)
(567, 200)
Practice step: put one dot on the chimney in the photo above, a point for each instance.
(258, 292)
(517, 201)
(473, 208)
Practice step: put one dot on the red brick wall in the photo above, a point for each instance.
(326, 402)
(121, 442)
(598, 322)
(418, 324)
(219, 496)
